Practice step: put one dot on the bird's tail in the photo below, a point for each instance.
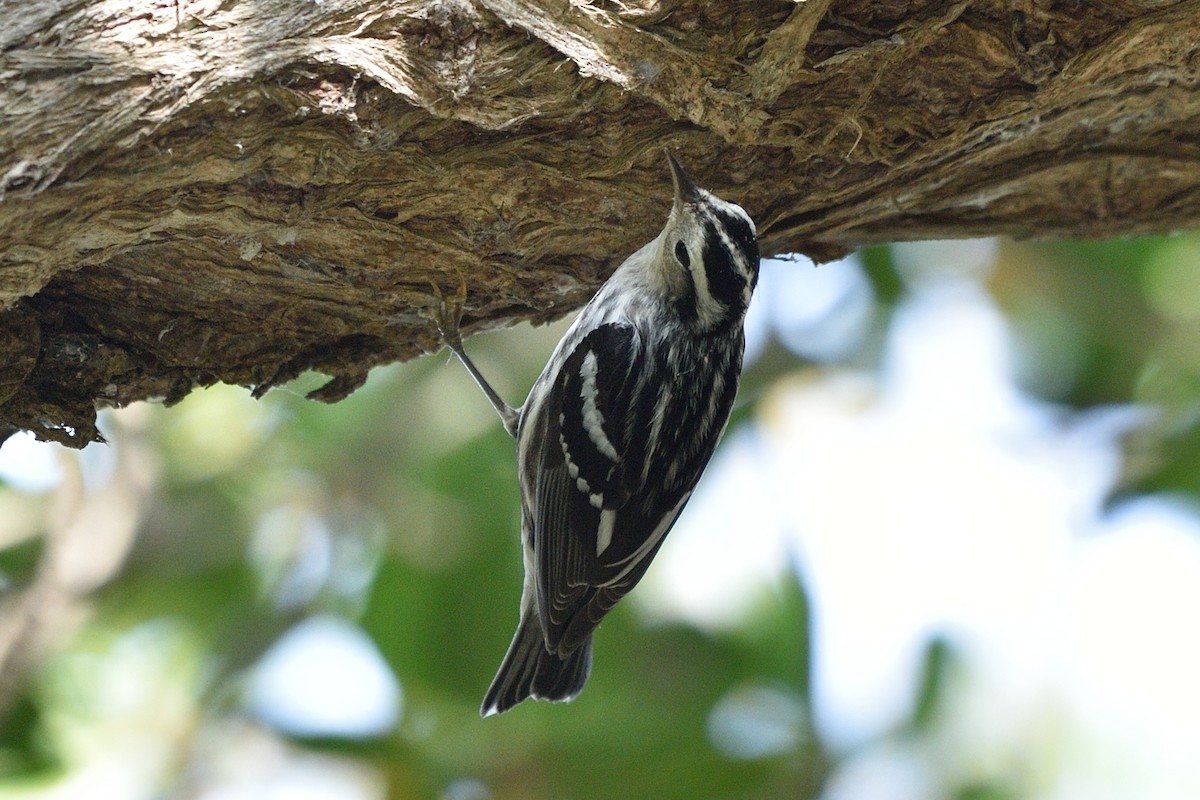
(530, 670)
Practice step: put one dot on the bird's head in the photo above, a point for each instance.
(708, 254)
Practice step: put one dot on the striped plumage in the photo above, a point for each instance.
(617, 429)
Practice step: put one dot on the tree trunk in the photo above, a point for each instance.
(238, 191)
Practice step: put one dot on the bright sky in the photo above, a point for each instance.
(29, 465)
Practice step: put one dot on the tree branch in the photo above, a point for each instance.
(173, 177)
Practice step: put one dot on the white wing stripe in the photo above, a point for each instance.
(605, 531)
(593, 420)
(635, 558)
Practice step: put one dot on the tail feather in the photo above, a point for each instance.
(530, 670)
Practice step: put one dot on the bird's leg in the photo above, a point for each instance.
(448, 315)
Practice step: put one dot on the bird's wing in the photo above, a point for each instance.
(594, 532)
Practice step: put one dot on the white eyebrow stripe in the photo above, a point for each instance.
(735, 252)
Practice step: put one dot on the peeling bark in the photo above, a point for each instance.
(239, 191)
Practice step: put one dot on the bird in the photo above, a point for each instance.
(617, 430)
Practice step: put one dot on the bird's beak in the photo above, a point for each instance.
(686, 190)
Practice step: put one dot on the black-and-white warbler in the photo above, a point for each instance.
(617, 429)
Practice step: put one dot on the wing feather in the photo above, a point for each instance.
(605, 497)
(580, 475)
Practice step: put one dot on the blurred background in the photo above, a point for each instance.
(949, 548)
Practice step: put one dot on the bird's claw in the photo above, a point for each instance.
(447, 314)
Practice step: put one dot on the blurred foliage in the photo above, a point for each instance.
(1116, 322)
(397, 510)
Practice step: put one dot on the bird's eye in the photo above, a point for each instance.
(682, 254)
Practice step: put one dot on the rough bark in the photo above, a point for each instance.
(241, 190)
